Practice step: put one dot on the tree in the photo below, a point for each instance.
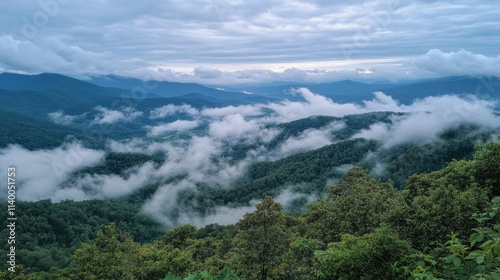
(110, 256)
(18, 274)
(487, 159)
(299, 262)
(179, 236)
(261, 241)
(375, 255)
(355, 205)
(439, 203)
(455, 260)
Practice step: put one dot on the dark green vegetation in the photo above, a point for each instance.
(442, 225)
(49, 233)
(35, 134)
(116, 163)
(410, 216)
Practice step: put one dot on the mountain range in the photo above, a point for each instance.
(67, 90)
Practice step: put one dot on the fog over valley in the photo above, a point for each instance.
(189, 148)
(250, 140)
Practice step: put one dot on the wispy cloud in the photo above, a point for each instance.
(178, 125)
(59, 117)
(108, 116)
(42, 172)
(427, 118)
(171, 109)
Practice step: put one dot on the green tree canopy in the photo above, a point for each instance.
(355, 205)
(261, 241)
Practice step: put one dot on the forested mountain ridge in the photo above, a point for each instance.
(363, 229)
(116, 172)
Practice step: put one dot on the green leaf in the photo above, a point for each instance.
(476, 237)
(421, 263)
(457, 262)
(473, 239)
(497, 248)
(489, 257)
(480, 259)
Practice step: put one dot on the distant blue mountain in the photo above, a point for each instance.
(50, 81)
(173, 89)
(351, 91)
(38, 95)
(481, 87)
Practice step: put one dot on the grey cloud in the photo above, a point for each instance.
(461, 62)
(220, 36)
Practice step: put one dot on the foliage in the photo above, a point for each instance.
(308, 171)
(355, 205)
(261, 241)
(487, 159)
(402, 161)
(117, 163)
(299, 262)
(455, 260)
(443, 201)
(110, 256)
(35, 134)
(51, 232)
(363, 229)
(374, 255)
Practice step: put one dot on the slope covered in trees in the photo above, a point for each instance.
(442, 225)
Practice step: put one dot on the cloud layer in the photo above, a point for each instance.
(234, 138)
(228, 42)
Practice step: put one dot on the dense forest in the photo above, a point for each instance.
(441, 225)
(118, 186)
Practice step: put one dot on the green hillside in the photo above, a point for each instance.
(363, 229)
(34, 134)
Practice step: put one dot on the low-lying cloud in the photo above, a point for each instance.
(428, 117)
(178, 125)
(171, 109)
(236, 136)
(59, 117)
(108, 116)
(310, 139)
(40, 173)
(92, 186)
(164, 203)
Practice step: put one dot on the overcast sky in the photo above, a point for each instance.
(231, 41)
